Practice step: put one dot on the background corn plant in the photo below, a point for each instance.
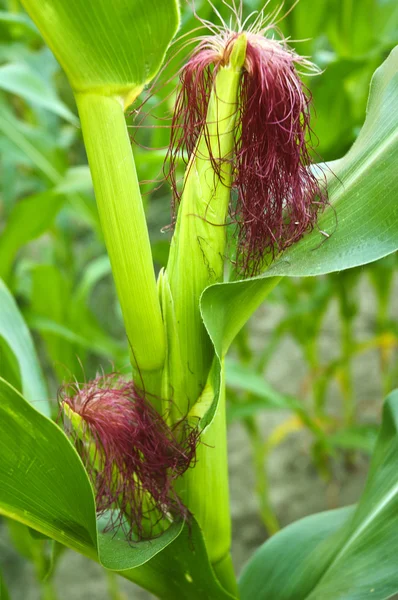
(62, 280)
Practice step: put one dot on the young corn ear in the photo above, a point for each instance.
(276, 196)
(198, 245)
(132, 456)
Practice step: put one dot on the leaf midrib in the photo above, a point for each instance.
(385, 500)
(370, 158)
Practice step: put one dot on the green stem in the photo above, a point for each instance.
(123, 222)
(267, 513)
(226, 575)
(318, 383)
(346, 373)
(48, 590)
(204, 489)
(259, 449)
(345, 287)
(383, 293)
(114, 587)
(242, 342)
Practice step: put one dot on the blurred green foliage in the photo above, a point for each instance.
(52, 255)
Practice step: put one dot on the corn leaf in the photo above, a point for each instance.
(348, 553)
(361, 220)
(9, 366)
(17, 338)
(112, 48)
(43, 483)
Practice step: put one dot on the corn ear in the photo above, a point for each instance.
(198, 245)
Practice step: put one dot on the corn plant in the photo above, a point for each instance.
(138, 478)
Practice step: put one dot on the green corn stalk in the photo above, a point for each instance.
(108, 54)
(171, 352)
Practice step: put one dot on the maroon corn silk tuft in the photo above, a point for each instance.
(137, 455)
(189, 116)
(277, 195)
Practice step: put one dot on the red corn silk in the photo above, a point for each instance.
(277, 197)
(137, 455)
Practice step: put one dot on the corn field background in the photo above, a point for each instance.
(329, 342)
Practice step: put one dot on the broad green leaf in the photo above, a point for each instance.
(316, 558)
(115, 552)
(44, 485)
(182, 570)
(43, 482)
(226, 307)
(23, 81)
(361, 220)
(269, 570)
(29, 219)
(9, 367)
(16, 334)
(113, 51)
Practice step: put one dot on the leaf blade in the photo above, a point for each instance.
(16, 334)
(367, 217)
(362, 190)
(41, 488)
(355, 557)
